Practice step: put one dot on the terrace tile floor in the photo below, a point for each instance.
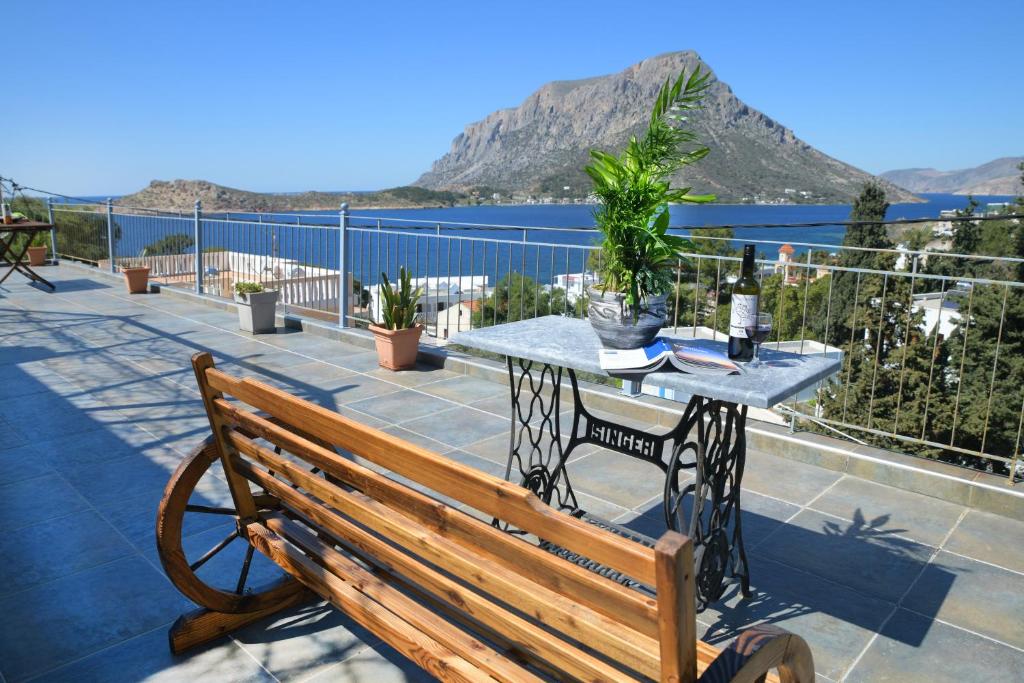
(98, 405)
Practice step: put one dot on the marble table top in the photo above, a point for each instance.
(572, 343)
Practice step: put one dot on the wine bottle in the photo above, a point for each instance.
(745, 296)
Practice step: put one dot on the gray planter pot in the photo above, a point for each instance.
(256, 312)
(614, 321)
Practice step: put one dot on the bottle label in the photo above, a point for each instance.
(743, 314)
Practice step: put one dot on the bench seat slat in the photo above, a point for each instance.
(605, 635)
(408, 638)
(480, 490)
(529, 638)
(606, 596)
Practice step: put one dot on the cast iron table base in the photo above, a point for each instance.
(708, 439)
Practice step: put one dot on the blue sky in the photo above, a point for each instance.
(287, 96)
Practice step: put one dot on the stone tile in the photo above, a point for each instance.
(379, 664)
(912, 648)
(304, 641)
(360, 361)
(12, 438)
(419, 440)
(976, 596)
(16, 383)
(989, 538)
(926, 520)
(20, 462)
(401, 406)
(106, 483)
(860, 554)
(761, 517)
(55, 548)
(356, 388)
(69, 618)
(82, 449)
(494, 448)
(792, 481)
(420, 375)
(617, 478)
(36, 500)
(836, 622)
(466, 389)
(147, 658)
(48, 416)
(458, 427)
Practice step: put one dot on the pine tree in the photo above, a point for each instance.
(848, 289)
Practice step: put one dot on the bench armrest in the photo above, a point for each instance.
(753, 653)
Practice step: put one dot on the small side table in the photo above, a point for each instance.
(710, 438)
(8, 233)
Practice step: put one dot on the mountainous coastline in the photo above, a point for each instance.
(541, 146)
(180, 195)
(1000, 176)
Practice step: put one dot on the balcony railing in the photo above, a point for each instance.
(931, 341)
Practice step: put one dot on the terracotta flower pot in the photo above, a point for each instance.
(37, 255)
(397, 349)
(137, 279)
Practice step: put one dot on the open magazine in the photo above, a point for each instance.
(654, 356)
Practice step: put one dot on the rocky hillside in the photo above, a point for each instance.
(542, 145)
(180, 195)
(1000, 176)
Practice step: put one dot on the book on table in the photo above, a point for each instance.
(671, 352)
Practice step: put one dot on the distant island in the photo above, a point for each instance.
(997, 177)
(180, 195)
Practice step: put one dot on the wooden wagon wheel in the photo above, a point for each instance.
(174, 507)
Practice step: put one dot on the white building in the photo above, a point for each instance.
(439, 294)
(575, 284)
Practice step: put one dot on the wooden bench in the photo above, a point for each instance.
(463, 599)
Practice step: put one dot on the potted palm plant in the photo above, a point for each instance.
(398, 336)
(136, 275)
(628, 306)
(257, 307)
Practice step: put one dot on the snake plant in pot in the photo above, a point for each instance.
(637, 253)
(398, 336)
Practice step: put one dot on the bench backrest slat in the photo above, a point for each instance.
(493, 496)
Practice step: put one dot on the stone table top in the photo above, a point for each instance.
(572, 343)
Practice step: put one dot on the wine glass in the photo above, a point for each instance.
(758, 332)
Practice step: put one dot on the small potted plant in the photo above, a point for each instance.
(136, 275)
(256, 307)
(37, 250)
(398, 336)
(627, 308)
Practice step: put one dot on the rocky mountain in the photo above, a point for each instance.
(180, 195)
(542, 145)
(1000, 176)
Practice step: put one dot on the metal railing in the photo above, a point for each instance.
(930, 341)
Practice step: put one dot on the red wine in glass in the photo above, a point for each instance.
(758, 333)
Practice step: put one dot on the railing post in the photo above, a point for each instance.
(343, 293)
(110, 234)
(53, 229)
(198, 239)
